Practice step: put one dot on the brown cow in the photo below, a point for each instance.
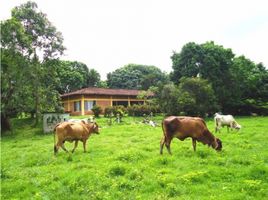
(73, 131)
(184, 127)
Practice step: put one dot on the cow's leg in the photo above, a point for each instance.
(167, 143)
(162, 142)
(84, 145)
(75, 145)
(63, 147)
(56, 148)
(194, 143)
(228, 129)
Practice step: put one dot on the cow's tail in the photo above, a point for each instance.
(54, 133)
(163, 140)
(163, 128)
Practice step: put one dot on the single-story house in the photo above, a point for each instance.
(81, 102)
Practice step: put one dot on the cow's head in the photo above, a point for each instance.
(236, 126)
(95, 128)
(219, 144)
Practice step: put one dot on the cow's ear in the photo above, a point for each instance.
(83, 122)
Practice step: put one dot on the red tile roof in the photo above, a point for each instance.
(103, 91)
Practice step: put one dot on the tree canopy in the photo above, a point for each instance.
(73, 75)
(133, 76)
(233, 79)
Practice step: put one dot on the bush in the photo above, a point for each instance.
(121, 110)
(96, 110)
(141, 110)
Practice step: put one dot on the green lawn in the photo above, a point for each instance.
(123, 162)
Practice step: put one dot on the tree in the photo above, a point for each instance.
(31, 41)
(168, 99)
(134, 76)
(187, 62)
(93, 79)
(14, 42)
(211, 62)
(196, 97)
(252, 86)
(73, 75)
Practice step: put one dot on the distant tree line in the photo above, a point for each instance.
(205, 77)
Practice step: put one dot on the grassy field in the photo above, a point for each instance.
(123, 162)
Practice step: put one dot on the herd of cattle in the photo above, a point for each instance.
(180, 127)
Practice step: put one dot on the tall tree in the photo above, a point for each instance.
(211, 62)
(93, 79)
(28, 42)
(14, 45)
(46, 43)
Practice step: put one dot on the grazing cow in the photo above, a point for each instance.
(73, 131)
(184, 127)
(225, 120)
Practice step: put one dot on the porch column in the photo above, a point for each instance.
(68, 104)
(82, 105)
(128, 101)
(111, 101)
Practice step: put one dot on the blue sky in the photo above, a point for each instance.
(107, 35)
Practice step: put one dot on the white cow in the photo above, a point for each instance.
(86, 120)
(225, 120)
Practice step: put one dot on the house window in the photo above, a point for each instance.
(77, 106)
(89, 105)
(120, 103)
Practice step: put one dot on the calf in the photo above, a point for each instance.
(225, 120)
(184, 127)
(73, 131)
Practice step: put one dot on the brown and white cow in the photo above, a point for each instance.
(183, 127)
(73, 131)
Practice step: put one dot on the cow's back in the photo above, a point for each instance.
(71, 131)
(184, 126)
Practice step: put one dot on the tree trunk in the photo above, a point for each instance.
(5, 123)
(37, 109)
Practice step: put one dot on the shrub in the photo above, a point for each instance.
(141, 110)
(121, 110)
(96, 110)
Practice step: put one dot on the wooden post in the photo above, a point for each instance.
(82, 105)
(111, 101)
(128, 101)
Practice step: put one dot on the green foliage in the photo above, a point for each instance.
(71, 76)
(114, 110)
(253, 95)
(96, 110)
(141, 110)
(29, 41)
(168, 99)
(93, 78)
(135, 170)
(196, 97)
(134, 76)
(233, 79)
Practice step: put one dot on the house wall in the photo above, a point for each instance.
(102, 101)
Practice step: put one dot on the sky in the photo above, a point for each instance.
(107, 35)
